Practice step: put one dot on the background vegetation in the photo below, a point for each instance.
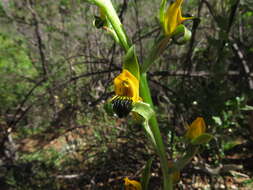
(56, 72)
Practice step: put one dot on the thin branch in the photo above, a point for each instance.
(15, 120)
(211, 10)
(138, 26)
(194, 74)
(123, 10)
(41, 46)
(231, 19)
(188, 59)
(70, 176)
(245, 66)
(90, 74)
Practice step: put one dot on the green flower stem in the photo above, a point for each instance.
(158, 48)
(145, 94)
(162, 11)
(155, 52)
(182, 162)
(107, 7)
(130, 62)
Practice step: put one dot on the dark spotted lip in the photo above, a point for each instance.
(122, 105)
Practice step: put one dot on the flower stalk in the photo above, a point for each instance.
(182, 162)
(146, 96)
(108, 9)
(157, 49)
(132, 82)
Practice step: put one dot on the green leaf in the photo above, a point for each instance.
(130, 62)
(230, 144)
(146, 174)
(202, 139)
(107, 7)
(247, 108)
(247, 181)
(181, 35)
(146, 111)
(162, 11)
(149, 132)
(217, 120)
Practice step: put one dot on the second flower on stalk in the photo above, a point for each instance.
(172, 17)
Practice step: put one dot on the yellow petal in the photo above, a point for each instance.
(126, 84)
(197, 128)
(181, 19)
(132, 184)
(171, 17)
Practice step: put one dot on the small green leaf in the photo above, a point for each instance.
(130, 62)
(113, 34)
(231, 144)
(217, 120)
(149, 132)
(202, 139)
(146, 174)
(162, 11)
(146, 111)
(247, 108)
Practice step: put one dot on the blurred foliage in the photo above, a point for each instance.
(56, 74)
(13, 65)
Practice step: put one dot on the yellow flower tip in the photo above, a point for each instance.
(132, 184)
(126, 84)
(173, 17)
(197, 128)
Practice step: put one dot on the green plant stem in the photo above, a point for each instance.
(145, 94)
(107, 7)
(157, 49)
(182, 162)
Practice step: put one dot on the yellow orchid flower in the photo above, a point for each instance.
(126, 84)
(126, 87)
(197, 128)
(132, 184)
(173, 17)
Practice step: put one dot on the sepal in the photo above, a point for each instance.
(202, 139)
(146, 111)
(181, 35)
(130, 62)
